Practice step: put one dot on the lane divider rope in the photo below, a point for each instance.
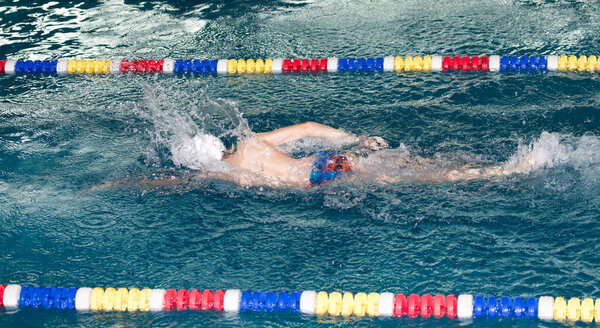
(385, 304)
(436, 63)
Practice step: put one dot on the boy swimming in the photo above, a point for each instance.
(256, 161)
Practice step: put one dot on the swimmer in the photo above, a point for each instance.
(255, 161)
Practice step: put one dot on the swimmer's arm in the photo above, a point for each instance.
(304, 130)
(164, 183)
(143, 183)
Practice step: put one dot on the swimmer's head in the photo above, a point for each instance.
(199, 152)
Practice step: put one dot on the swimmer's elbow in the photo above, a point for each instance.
(309, 125)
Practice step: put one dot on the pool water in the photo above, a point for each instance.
(527, 234)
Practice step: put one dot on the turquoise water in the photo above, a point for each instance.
(528, 234)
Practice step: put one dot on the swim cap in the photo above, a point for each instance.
(200, 152)
(327, 167)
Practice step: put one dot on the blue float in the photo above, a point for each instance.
(342, 65)
(37, 67)
(493, 308)
(379, 64)
(55, 297)
(35, 297)
(533, 63)
(29, 66)
(64, 298)
(479, 306)
(532, 308)
(543, 63)
(70, 299)
(53, 66)
(370, 64)
(270, 301)
(283, 301)
(19, 67)
(245, 301)
(513, 63)
(205, 69)
(523, 63)
(178, 67)
(213, 66)
(351, 65)
(46, 67)
(506, 310)
(187, 66)
(24, 296)
(196, 66)
(295, 301)
(519, 307)
(45, 298)
(361, 64)
(258, 301)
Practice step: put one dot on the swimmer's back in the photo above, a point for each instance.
(260, 157)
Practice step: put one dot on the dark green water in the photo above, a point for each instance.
(524, 235)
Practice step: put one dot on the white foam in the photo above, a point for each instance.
(553, 149)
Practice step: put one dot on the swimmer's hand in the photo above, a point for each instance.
(373, 143)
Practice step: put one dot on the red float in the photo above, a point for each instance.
(124, 66)
(159, 65)
(208, 300)
(400, 305)
(151, 66)
(426, 306)
(183, 299)
(2, 287)
(439, 306)
(287, 66)
(314, 65)
(451, 307)
(466, 64)
(170, 300)
(305, 65)
(413, 305)
(2, 64)
(475, 64)
(446, 63)
(323, 64)
(195, 300)
(133, 66)
(296, 65)
(141, 66)
(219, 296)
(456, 63)
(485, 63)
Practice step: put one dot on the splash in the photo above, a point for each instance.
(553, 149)
(403, 165)
(183, 129)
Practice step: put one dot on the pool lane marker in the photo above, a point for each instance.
(196, 67)
(322, 303)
